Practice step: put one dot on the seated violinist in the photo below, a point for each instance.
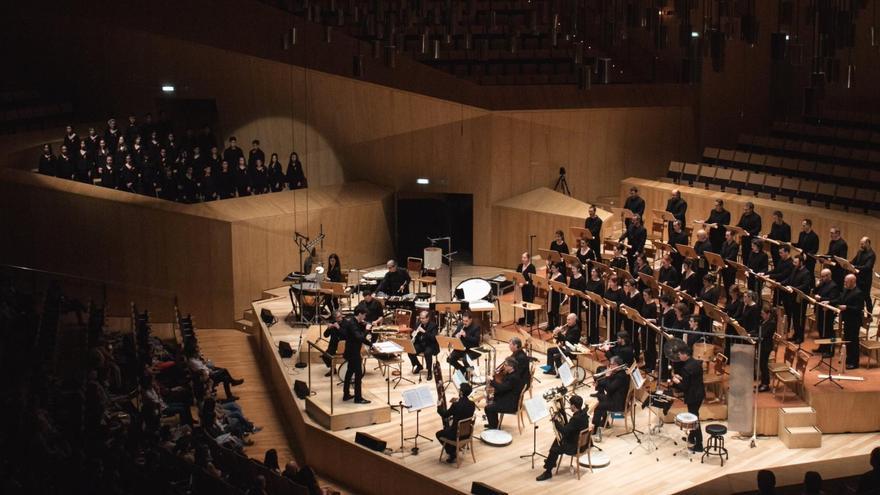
(568, 333)
(507, 386)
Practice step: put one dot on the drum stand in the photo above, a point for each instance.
(534, 447)
(415, 438)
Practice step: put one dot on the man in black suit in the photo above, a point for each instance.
(233, 153)
(779, 231)
(469, 333)
(461, 408)
(751, 223)
(864, 265)
(523, 361)
(635, 236)
(568, 434)
(568, 333)
(808, 242)
(594, 224)
(765, 334)
(837, 247)
(611, 391)
(354, 332)
(711, 294)
(506, 394)
(623, 349)
(677, 236)
(827, 292)
(333, 332)
(851, 304)
(802, 280)
(678, 207)
(721, 218)
(395, 282)
(634, 203)
(371, 306)
(758, 262)
(689, 380)
(729, 252)
(781, 272)
(425, 343)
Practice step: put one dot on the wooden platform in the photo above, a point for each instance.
(347, 414)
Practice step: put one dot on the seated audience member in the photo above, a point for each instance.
(812, 483)
(766, 482)
(303, 476)
(870, 481)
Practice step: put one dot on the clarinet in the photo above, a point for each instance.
(441, 393)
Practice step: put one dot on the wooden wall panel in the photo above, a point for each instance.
(700, 202)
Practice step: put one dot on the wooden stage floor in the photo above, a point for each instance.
(633, 469)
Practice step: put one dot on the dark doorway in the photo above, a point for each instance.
(420, 216)
(188, 113)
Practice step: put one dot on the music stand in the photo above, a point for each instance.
(715, 313)
(648, 281)
(580, 233)
(666, 289)
(845, 264)
(571, 260)
(613, 312)
(686, 251)
(622, 274)
(715, 260)
(536, 410)
(550, 255)
(737, 231)
(451, 344)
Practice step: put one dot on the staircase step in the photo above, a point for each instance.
(797, 416)
(801, 437)
(246, 325)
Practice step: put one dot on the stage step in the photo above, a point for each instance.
(801, 437)
(796, 417)
(245, 325)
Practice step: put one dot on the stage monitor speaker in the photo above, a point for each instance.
(284, 349)
(300, 389)
(267, 317)
(478, 488)
(369, 441)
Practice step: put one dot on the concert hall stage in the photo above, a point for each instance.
(634, 468)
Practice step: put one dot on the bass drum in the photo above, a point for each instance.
(579, 374)
(474, 289)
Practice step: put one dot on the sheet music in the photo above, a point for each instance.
(565, 374)
(387, 347)
(638, 379)
(536, 409)
(418, 398)
(570, 346)
(458, 378)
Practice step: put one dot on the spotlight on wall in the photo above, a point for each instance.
(695, 34)
(167, 88)
(422, 181)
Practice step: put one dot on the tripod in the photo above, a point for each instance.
(561, 183)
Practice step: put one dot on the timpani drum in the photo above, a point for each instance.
(687, 421)
(475, 289)
(496, 438)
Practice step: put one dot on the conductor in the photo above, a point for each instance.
(353, 330)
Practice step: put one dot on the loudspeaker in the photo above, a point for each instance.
(284, 349)
(478, 488)
(300, 389)
(369, 441)
(267, 317)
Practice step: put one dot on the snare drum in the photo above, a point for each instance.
(474, 289)
(496, 438)
(687, 421)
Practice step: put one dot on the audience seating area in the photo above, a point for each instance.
(27, 109)
(92, 410)
(802, 169)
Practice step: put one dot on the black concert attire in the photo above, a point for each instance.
(691, 372)
(395, 283)
(826, 292)
(560, 247)
(647, 270)
(333, 333)
(594, 225)
(700, 247)
(506, 398)
(667, 322)
(470, 339)
(225, 184)
(779, 232)
(649, 312)
(596, 287)
(242, 182)
(571, 335)
(626, 353)
(729, 252)
(355, 336)
(669, 276)
(678, 207)
(575, 303)
(296, 177)
(634, 204)
(523, 363)
(569, 434)
(260, 180)
(710, 295)
(840, 249)
(716, 234)
(374, 309)
(621, 262)
(780, 273)
(276, 177)
(255, 154)
(808, 242)
(635, 331)
(461, 409)
(47, 164)
(864, 263)
(527, 290)
(676, 238)
(802, 280)
(759, 263)
(691, 284)
(585, 258)
(611, 391)
(852, 322)
(614, 317)
(635, 235)
(554, 303)
(231, 155)
(751, 223)
(426, 344)
(765, 334)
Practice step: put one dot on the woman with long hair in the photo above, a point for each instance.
(296, 176)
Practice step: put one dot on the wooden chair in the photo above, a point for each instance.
(464, 438)
(789, 355)
(786, 377)
(520, 423)
(414, 268)
(585, 443)
(628, 412)
(339, 290)
(872, 347)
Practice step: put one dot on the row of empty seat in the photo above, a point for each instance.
(843, 118)
(796, 148)
(838, 136)
(792, 189)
